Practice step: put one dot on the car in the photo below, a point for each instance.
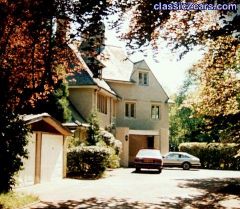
(180, 159)
(148, 159)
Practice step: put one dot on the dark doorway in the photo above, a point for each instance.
(150, 142)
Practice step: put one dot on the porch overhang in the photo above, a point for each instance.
(144, 132)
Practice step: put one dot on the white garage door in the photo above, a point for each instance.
(26, 176)
(51, 158)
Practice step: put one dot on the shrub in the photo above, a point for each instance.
(93, 132)
(87, 161)
(114, 159)
(214, 155)
(111, 141)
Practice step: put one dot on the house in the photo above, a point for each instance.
(88, 93)
(46, 151)
(142, 110)
(128, 98)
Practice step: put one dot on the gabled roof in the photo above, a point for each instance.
(45, 118)
(119, 67)
(85, 77)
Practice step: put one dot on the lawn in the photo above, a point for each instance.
(13, 200)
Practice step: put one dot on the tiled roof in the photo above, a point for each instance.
(85, 77)
(117, 65)
(80, 78)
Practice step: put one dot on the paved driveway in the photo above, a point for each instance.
(123, 188)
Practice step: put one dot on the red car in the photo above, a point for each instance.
(149, 159)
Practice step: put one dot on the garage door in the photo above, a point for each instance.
(26, 176)
(51, 157)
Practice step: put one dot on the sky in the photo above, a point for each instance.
(170, 73)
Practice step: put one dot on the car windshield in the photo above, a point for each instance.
(154, 153)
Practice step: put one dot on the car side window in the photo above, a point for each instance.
(169, 156)
(172, 156)
(185, 156)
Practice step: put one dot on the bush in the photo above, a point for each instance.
(114, 159)
(111, 141)
(214, 155)
(87, 161)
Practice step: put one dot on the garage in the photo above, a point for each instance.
(47, 151)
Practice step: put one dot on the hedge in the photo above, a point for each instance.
(214, 155)
(87, 161)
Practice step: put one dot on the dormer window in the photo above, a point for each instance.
(143, 79)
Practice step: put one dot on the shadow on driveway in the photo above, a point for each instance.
(217, 193)
(94, 203)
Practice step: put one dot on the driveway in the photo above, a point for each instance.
(123, 188)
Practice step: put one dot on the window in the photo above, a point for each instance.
(130, 110)
(155, 112)
(102, 103)
(172, 156)
(143, 79)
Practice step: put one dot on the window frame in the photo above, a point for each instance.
(141, 81)
(102, 104)
(128, 110)
(154, 114)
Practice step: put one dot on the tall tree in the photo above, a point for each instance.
(184, 126)
(30, 54)
(218, 96)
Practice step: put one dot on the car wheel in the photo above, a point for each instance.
(138, 170)
(186, 166)
(159, 170)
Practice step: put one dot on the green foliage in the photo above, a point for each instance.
(110, 141)
(73, 142)
(93, 133)
(14, 200)
(13, 139)
(214, 155)
(114, 159)
(56, 103)
(183, 126)
(114, 146)
(87, 161)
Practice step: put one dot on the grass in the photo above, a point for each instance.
(13, 200)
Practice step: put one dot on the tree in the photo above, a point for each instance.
(184, 126)
(56, 102)
(13, 133)
(181, 29)
(219, 88)
(30, 53)
(93, 132)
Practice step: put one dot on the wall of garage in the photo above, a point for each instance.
(46, 159)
